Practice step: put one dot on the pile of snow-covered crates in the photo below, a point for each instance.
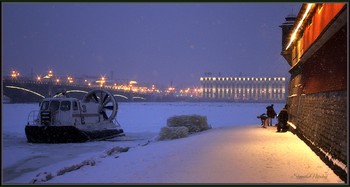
(182, 126)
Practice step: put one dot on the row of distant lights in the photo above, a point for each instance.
(241, 78)
(15, 74)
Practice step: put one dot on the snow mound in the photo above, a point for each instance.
(194, 123)
(46, 176)
(42, 177)
(74, 167)
(167, 133)
(113, 150)
(182, 126)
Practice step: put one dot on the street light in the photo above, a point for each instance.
(101, 81)
(14, 74)
(70, 79)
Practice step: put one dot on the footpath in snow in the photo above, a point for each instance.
(248, 154)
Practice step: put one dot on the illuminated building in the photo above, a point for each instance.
(315, 46)
(49, 75)
(244, 88)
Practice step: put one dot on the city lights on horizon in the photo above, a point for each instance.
(103, 82)
(134, 86)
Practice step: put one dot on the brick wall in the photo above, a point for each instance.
(321, 121)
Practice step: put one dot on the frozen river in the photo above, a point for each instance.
(141, 123)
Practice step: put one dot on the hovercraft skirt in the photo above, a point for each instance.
(65, 134)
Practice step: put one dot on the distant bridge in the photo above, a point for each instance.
(31, 91)
(27, 91)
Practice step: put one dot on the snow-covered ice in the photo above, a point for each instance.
(235, 150)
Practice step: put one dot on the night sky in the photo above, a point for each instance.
(154, 43)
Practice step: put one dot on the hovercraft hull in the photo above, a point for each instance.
(66, 134)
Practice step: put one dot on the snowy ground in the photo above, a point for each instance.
(236, 150)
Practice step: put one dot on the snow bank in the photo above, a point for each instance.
(194, 123)
(169, 133)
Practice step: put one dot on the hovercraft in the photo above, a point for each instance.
(62, 119)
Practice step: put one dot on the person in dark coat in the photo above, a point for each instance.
(270, 111)
(282, 120)
(263, 118)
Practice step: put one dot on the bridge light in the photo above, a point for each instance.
(14, 74)
(49, 75)
(70, 79)
(101, 81)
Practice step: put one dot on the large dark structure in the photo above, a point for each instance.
(315, 47)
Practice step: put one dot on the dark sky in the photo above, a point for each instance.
(147, 42)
